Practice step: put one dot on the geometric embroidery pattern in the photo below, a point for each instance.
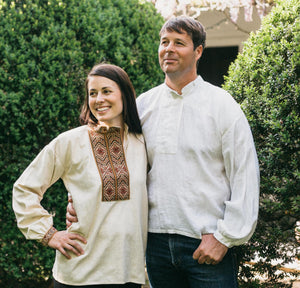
(110, 158)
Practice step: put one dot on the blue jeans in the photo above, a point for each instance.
(170, 264)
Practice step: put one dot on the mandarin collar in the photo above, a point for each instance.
(187, 89)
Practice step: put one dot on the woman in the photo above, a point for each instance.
(103, 166)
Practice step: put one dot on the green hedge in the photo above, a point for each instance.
(265, 80)
(46, 49)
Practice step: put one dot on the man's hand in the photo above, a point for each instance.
(210, 250)
(64, 241)
(71, 213)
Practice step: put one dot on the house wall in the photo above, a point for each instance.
(221, 32)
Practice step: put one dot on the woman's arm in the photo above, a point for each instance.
(33, 220)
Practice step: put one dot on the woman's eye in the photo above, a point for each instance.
(92, 94)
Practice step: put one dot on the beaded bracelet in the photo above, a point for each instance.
(48, 236)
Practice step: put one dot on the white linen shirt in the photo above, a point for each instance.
(204, 175)
(116, 231)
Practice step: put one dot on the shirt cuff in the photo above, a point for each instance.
(225, 241)
(48, 236)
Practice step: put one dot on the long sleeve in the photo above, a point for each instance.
(33, 220)
(241, 166)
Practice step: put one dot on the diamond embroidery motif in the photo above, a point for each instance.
(110, 158)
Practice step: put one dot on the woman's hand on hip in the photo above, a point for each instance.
(66, 242)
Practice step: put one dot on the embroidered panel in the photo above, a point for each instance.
(110, 158)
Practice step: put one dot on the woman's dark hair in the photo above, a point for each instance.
(119, 76)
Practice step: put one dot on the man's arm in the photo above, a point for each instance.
(71, 216)
(241, 210)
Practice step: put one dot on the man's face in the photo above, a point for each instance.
(177, 55)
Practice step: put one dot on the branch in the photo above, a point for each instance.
(235, 24)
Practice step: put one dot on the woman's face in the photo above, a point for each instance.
(105, 101)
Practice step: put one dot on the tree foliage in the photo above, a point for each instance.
(265, 80)
(46, 49)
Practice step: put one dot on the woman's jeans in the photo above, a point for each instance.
(170, 264)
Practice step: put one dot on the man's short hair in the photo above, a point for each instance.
(189, 25)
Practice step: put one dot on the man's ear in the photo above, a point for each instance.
(199, 51)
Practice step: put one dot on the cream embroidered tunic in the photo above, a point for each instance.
(115, 224)
(204, 175)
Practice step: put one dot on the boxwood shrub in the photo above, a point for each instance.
(265, 80)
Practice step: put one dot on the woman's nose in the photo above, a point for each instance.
(99, 98)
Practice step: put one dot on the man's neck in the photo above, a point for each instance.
(178, 83)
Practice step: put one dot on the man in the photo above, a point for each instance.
(203, 183)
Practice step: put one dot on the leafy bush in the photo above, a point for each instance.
(265, 80)
(46, 50)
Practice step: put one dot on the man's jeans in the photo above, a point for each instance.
(170, 264)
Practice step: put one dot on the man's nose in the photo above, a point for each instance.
(170, 47)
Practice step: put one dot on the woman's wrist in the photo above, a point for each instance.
(48, 236)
